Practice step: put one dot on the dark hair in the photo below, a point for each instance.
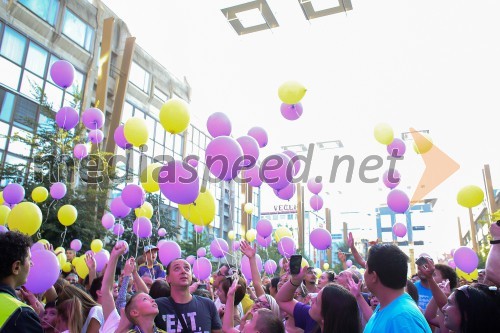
(339, 310)
(95, 286)
(412, 290)
(390, 263)
(448, 273)
(170, 263)
(15, 246)
(268, 322)
(129, 307)
(331, 276)
(274, 282)
(51, 304)
(159, 288)
(479, 309)
(240, 292)
(203, 293)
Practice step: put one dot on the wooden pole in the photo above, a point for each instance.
(300, 216)
(328, 216)
(460, 236)
(489, 191)
(473, 231)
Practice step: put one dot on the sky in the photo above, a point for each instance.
(430, 65)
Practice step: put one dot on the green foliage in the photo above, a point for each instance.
(190, 245)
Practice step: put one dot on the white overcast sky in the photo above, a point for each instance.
(426, 64)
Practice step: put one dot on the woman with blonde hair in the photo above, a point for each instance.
(69, 316)
(92, 311)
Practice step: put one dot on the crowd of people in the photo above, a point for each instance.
(147, 297)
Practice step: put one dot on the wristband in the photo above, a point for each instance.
(294, 284)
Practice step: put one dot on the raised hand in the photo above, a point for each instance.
(233, 288)
(427, 269)
(129, 267)
(90, 261)
(247, 249)
(118, 250)
(354, 288)
(445, 287)
(350, 240)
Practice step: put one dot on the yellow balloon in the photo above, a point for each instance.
(291, 92)
(136, 131)
(26, 217)
(67, 215)
(304, 263)
(231, 235)
(149, 177)
(383, 133)
(81, 267)
(422, 144)
(60, 249)
(468, 277)
(1, 198)
(251, 235)
(39, 194)
(248, 208)
(174, 116)
(201, 211)
(4, 213)
(211, 279)
(282, 232)
(66, 267)
(318, 272)
(96, 245)
(61, 257)
(43, 241)
(470, 196)
(326, 266)
(146, 210)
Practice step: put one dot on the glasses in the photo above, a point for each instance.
(465, 290)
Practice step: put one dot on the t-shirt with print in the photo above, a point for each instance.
(199, 314)
(424, 295)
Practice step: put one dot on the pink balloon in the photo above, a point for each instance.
(142, 227)
(76, 245)
(118, 208)
(80, 151)
(202, 268)
(348, 263)
(316, 202)
(108, 221)
(321, 239)
(120, 139)
(264, 228)
(67, 118)
(264, 241)
(399, 229)
(259, 134)
(162, 232)
(96, 136)
(287, 247)
(218, 124)
(13, 193)
(391, 178)
(118, 229)
(169, 251)
(201, 252)
(133, 196)
(252, 176)
(101, 259)
(287, 192)
(294, 159)
(179, 182)
(291, 111)
(236, 245)
(37, 247)
(451, 263)
(452, 252)
(245, 266)
(313, 186)
(198, 228)
(43, 273)
(219, 248)
(275, 171)
(93, 118)
(270, 267)
(191, 260)
(398, 201)
(3, 229)
(250, 149)
(192, 162)
(121, 241)
(466, 259)
(396, 148)
(57, 190)
(224, 157)
(62, 73)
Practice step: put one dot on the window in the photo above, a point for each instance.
(4, 129)
(128, 111)
(37, 59)
(77, 30)
(178, 144)
(25, 114)
(20, 147)
(29, 83)
(160, 95)
(139, 77)
(7, 105)
(46, 10)
(10, 73)
(13, 45)
(54, 96)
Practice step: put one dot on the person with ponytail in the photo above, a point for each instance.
(69, 317)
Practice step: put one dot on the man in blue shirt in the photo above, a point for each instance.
(385, 276)
(151, 267)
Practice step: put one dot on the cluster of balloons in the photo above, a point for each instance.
(314, 186)
(291, 93)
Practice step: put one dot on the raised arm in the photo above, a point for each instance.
(107, 301)
(359, 259)
(139, 282)
(90, 261)
(355, 289)
(284, 297)
(439, 296)
(250, 251)
(228, 319)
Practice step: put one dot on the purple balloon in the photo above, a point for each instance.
(62, 73)
(133, 196)
(121, 241)
(80, 151)
(287, 247)
(399, 229)
(391, 178)
(275, 171)
(294, 159)
(348, 263)
(286, 193)
(316, 202)
(43, 273)
(3, 229)
(142, 227)
(93, 118)
(259, 134)
(118, 229)
(201, 252)
(179, 182)
(198, 228)
(264, 241)
(219, 248)
(192, 162)
(76, 245)
(202, 268)
(191, 260)
(37, 247)
(236, 245)
(466, 259)
(96, 136)
(13, 193)
(162, 232)
(108, 221)
(321, 239)
(224, 157)
(101, 259)
(270, 267)
(169, 251)
(452, 264)
(452, 252)
(396, 148)
(218, 124)
(120, 139)
(250, 149)
(313, 186)
(291, 111)
(58, 190)
(118, 208)
(264, 228)
(398, 201)
(245, 266)
(67, 118)
(252, 176)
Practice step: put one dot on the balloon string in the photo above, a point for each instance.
(63, 235)
(119, 234)
(98, 154)
(46, 217)
(141, 150)
(158, 222)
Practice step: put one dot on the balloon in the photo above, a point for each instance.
(108, 221)
(452, 264)
(174, 116)
(466, 259)
(316, 202)
(149, 177)
(231, 234)
(67, 215)
(76, 245)
(118, 208)
(326, 266)
(120, 139)
(191, 260)
(275, 171)
(96, 136)
(142, 227)
(218, 124)
(348, 262)
(146, 210)
(1, 198)
(251, 235)
(93, 118)
(201, 211)
(3, 229)
(219, 248)
(383, 133)
(169, 251)
(13, 193)
(133, 196)
(62, 73)
(318, 272)
(136, 131)
(248, 208)
(291, 92)
(399, 229)
(264, 228)
(282, 232)
(58, 190)
(66, 267)
(101, 259)
(296, 161)
(201, 252)
(286, 247)
(96, 245)
(422, 144)
(37, 247)
(291, 112)
(43, 273)
(398, 201)
(80, 151)
(245, 266)
(224, 157)
(192, 162)
(396, 148)
(179, 182)
(67, 118)
(81, 267)
(313, 186)
(25, 217)
(198, 229)
(252, 176)
(473, 276)
(469, 196)
(270, 266)
(250, 149)
(259, 134)
(264, 241)
(202, 268)
(452, 252)
(286, 193)
(391, 178)
(162, 232)
(321, 239)
(4, 213)
(118, 229)
(236, 245)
